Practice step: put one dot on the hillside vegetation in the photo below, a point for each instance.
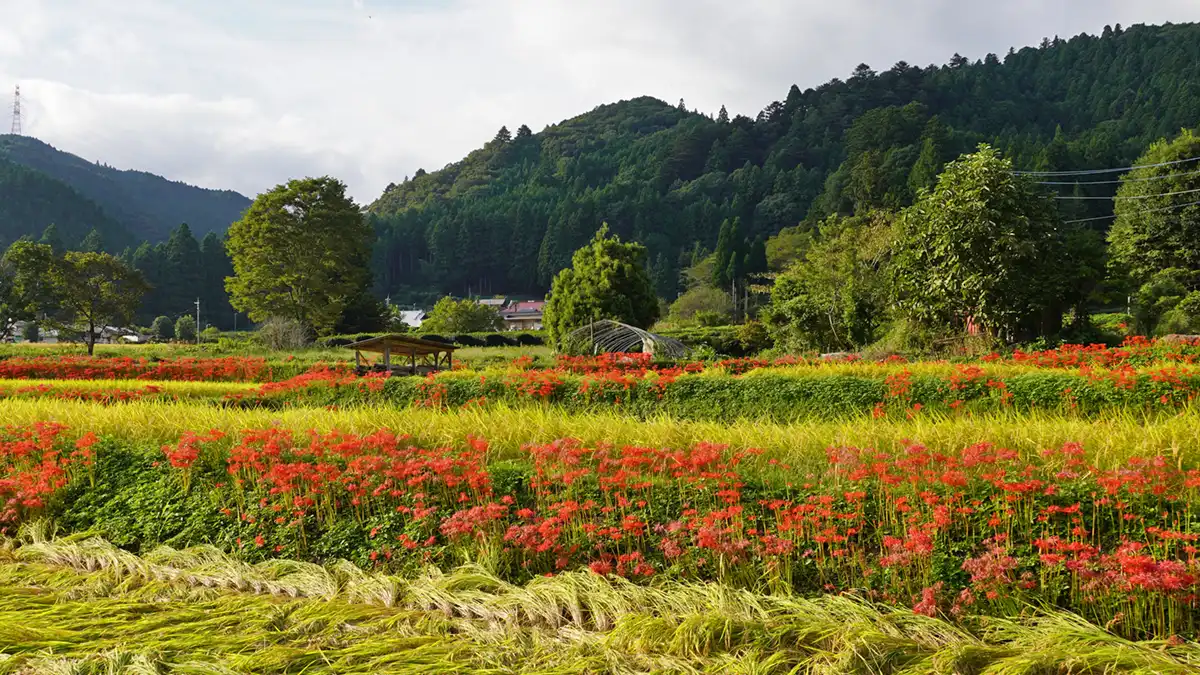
(508, 216)
(30, 201)
(146, 206)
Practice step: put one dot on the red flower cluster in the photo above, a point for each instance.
(1134, 351)
(35, 465)
(105, 396)
(1052, 527)
(227, 369)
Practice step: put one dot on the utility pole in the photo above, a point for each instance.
(197, 321)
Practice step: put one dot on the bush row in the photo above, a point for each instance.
(780, 398)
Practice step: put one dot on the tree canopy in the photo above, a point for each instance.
(607, 280)
(461, 316)
(837, 295)
(984, 246)
(1158, 221)
(300, 252)
(78, 292)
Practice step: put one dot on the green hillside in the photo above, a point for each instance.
(148, 206)
(508, 216)
(30, 201)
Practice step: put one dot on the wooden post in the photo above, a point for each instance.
(387, 357)
(413, 354)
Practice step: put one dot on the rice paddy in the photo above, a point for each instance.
(82, 605)
(601, 538)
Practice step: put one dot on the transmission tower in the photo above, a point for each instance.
(16, 115)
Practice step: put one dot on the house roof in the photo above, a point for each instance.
(413, 317)
(494, 302)
(401, 344)
(527, 307)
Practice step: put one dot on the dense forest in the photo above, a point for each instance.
(137, 206)
(30, 201)
(508, 216)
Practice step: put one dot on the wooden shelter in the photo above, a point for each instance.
(401, 355)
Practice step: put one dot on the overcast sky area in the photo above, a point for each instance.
(245, 94)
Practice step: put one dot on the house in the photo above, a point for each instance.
(114, 335)
(413, 318)
(47, 336)
(495, 303)
(523, 315)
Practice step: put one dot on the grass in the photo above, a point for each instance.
(83, 606)
(1109, 441)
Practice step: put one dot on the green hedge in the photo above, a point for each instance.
(775, 397)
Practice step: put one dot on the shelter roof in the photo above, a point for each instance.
(401, 344)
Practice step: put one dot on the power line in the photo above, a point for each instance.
(1165, 194)
(1168, 208)
(1093, 172)
(1123, 180)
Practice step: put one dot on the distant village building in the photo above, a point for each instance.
(523, 315)
(105, 335)
(47, 336)
(113, 335)
(413, 318)
(495, 303)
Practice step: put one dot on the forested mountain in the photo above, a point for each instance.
(149, 207)
(30, 201)
(508, 216)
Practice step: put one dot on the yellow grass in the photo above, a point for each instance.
(1109, 441)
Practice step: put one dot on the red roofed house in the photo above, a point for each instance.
(523, 315)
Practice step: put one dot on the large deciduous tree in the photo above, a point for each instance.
(836, 296)
(607, 280)
(1158, 222)
(301, 251)
(983, 247)
(78, 292)
(1155, 240)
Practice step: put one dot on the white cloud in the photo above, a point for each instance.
(246, 95)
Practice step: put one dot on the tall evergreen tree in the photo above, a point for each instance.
(185, 274)
(92, 243)
(51, 238)
(217, 266)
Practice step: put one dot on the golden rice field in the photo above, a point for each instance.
(220, 568)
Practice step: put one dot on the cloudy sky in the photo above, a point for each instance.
(244, 94)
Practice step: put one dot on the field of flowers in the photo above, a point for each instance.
(1028, 512)
(1142, 377)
